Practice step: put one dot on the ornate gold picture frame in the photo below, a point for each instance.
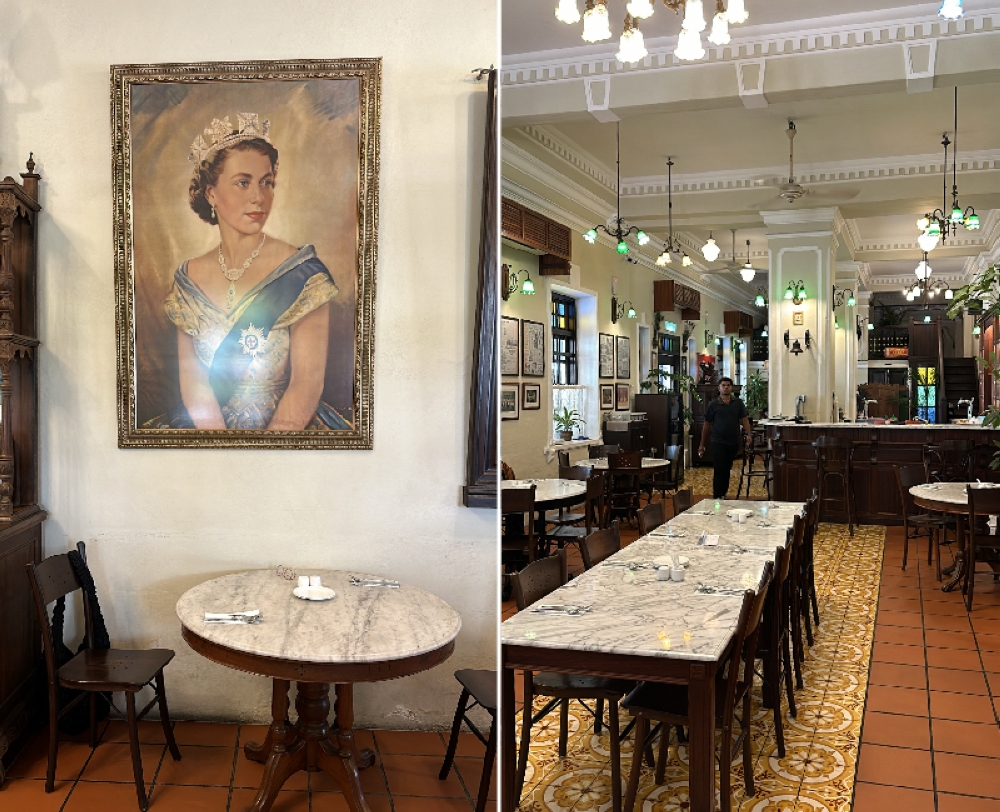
(246, 230)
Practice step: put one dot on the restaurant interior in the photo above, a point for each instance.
(803, 199)
(159, 523)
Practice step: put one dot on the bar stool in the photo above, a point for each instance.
(760, 450)
(834, 458)
(949, 461)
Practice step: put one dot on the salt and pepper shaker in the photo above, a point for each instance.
(663, 573)
(314, 580)
(303, 581)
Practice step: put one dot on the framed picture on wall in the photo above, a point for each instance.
(605, 355)
(510, 334)
(607, 396)
(623, 393)
(509, 395)
(532, 349)
(623, 357)
(531, 396)
(246, 227)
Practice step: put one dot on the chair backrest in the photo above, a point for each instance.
(745, 643)
(514, 501)
(625, 460)
(983, 502)
(506, 472)
(577, 472)
(538, 579)
(681, 500)
(908, 476)
(651, 516)
(597, 489)
(517, 500)
(599, 451)
(599, 545)
(675, 453)
(563, 459)
(949, 461)
(832, 452)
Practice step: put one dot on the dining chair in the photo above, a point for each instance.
(667, 705)
(563, 459)
(797, 570)
(681, 500)
(599, 545)
(834, 458)
(480, 686)
(980, 544)
(532, 584)
(598, 452)
(805, 569)
(664, 478)
(773, 643)
(517, 541)
(917, 525)
(759, 451)
(625, 470)
(651, 516)
(592, 516)
(563, 516)
(949, 461)
(93, 670)
(506, 472)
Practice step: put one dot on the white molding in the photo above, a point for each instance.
(752, 96)
(919, 81)
(572, 154)
(522, 160)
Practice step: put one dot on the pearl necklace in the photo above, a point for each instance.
(235, 274)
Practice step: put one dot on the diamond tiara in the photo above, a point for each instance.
(221, 135)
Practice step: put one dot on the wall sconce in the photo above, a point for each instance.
(976, 329)
(862, 320)
(763, 331)
(709, 338)
(842, 295)
(618, 311)
(796, 292)
(760, 300)
(508, 283)
(796, 346)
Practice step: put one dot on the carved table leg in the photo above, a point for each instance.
(959, 572)
(280, 726)
(337, 753)
(345, 700)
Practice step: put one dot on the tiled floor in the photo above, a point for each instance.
(930, 739)
(213, 775)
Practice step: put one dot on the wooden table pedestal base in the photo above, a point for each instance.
(310, 744)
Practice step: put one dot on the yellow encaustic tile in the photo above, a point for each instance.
(818, 770)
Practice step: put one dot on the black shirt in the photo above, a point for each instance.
(725, 420)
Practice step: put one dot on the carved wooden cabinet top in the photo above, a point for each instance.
(534, 230)
(669, 294)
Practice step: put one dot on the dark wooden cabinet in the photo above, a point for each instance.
(670, 295)
(737, 322)
(20, 515)
(663, 415)
(536, 231)
(635, 438)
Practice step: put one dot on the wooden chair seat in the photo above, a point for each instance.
(667, 702)
(113, 669)
(481, 687)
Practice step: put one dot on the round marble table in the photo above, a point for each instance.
(364, 634)
(601, 463)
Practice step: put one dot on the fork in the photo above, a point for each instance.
(355, 581)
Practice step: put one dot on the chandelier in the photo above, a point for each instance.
(923, 288)
(631, 48)
(618, 228)
(671, 245)
(942, 223)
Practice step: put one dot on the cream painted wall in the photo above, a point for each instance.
(160, 521)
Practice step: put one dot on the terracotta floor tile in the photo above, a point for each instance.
(418, 775)
(990, 661)
(895, 766)
(149, 732)
(957, 682)
(199, 765)
(877, 798)
(983, 626)
(167, 798)
(950, 640)
(899, 634)
(908, 701)
(898, 731)
(901, 676)
(372, 781)
(988, 642)
(33, 760)
(938, 603)
(954, 658)
(994, 683)
(469, 745)
(249, 774)
(966, 738)
(212, 734)
(403, 804)
(113, 762)
(896, 653)
(899, 604)
(410, 742)
(97, 797)
(471, 770)
(252, 733)
(961, 707)
(29, 794)
(285, 802)
(950, 623)
(970, 775)
(963, 803)
(908, 619)
(333, 802)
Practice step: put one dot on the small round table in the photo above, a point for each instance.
(601, 463)
(550, 494)
(364, 634)
(951, 498)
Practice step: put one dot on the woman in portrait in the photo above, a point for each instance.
(253, 314)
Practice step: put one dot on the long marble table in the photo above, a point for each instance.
(364, 634)
(640, 628)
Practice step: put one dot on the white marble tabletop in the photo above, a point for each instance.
(547, 490)
(951, 492)
(361, 624)
(601, 463)
(631, 612)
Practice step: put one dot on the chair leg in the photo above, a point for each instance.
(488, 761)
(168, 730)
(50, 772)
(747, 750)
(616, 759)
(563, 727)
(598, 717)
(133, 740)
(804, 606)
(726, 768)
(812, 592)
(641, 731)
(92, 700)
(906, 541)
(456, 728)
(788, 679)
(522, 756)
(661, 758)
(937, 533)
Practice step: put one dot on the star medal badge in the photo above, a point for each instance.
(252, 340)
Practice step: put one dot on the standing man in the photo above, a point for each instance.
(722, 427)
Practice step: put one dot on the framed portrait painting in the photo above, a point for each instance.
(605, 355)
(532, 349)
(509, 345)
(607, 396)
(245, 217)
(623, 357)
(623, 392)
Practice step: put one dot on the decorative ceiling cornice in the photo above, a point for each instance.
(571, 153)
(832, 33)
(522, 160)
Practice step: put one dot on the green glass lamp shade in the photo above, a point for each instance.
(972, 222)
(528, 287)
(631, 313)
(851, 301)
(642, 237)
(763, 333)
(934, 229)
(976, 330)
(802, 293)
(870, 326)
(789, 294)
(622, 247)
(956, 215)
(591, 236)
(759, 300)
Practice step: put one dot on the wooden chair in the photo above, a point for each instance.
(518, 502)
(592, 516)
(681, 500)
(760, 450)
(916, 524)
(506, 472)
(563, 459)
(563, 516)
(668, 704)
(94, 670)
(949, 461)
(650, 517)
(532, 584)
(481, 687)
(599, 545)
(625, 470)
(598, 452)
(805, 571)
(834, 458)
(980, 546)
(667, 478)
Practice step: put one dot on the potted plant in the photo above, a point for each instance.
(755, 395)
(567, 420)
(656, 382)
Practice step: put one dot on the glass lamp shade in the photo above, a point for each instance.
(759, 300)
(976, 330)
(591, 236)
(951, 10)
(836, 324)
(972, 222)
(851, 301)
(949, 294)
(664, 259)
(596, 26)
(720, 30)
(640, 9)
(956, 215)
(567, 11)
(789, 293)
(710, 250)
(631, 313)
(718, 342)
(802, 294)
(763, 332)
(870, 326)
(621, 248)
(934, 228)
(928, 241)
(748, 273)
(737, 12)
(927, 319)
(923, 223)
(686, 261)
(528, 287)
(689, 47)
(642, 237)
(694, 16)
(923, 270)
(631, 47)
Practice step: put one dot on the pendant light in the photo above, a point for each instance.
(694, 16)
(671, 246)
(640, 9)
(567, 11)
(596, 25)
(748, 272)
(710, 250)
(689, 47)
(631, 47)
(619, 232)
(720, 26)
(951, 10)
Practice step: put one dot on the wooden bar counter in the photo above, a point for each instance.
(878, 450)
